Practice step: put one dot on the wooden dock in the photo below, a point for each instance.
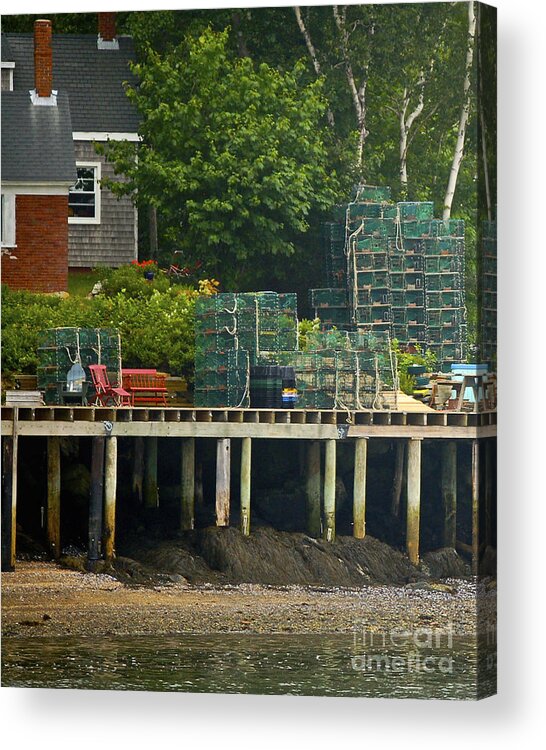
(105, 425)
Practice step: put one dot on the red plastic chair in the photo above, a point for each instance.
(105, 393)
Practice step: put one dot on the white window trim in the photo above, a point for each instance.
(8, 220)
(94, 135)
(9, 66)
(96, 218)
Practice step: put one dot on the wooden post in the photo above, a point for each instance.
(151, 494)
(14, 462)
(475, 506)
(223, 451)
(398, 477)
(95, 502)
(8, 561)
(489, 467)
(449, 492)
(359, 488)
(330, 491)
(414, 500)
(138, 468)
(54, 495)
(110, 487)
(187, 510)
(312, 488)
(246, 460)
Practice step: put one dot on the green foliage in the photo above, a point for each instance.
(404, 359)
(233, 154)
(305, 327)
(129, 280)
(156, 329)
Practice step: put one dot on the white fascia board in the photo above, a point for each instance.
(36, 188)
(105, 136)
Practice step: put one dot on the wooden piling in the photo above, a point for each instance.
(94, 545)
(8, 531)
(312, 488)
(475, 506)
(414, 500)
(54, 495)
(488, 495)
(187, 500)
(151, 493)
(330, 491)
(110, 488)
(246, 461)
(223, 451)
(449, 492)
(359, 488)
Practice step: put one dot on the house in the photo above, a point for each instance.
(92, 70)
(38, 170)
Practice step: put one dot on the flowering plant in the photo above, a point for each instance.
(143, 263)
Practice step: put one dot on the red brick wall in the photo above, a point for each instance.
(41, 236)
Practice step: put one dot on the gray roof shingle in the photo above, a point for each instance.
(37, 143)
(94, 79)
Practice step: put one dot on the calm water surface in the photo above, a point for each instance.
(335, 665)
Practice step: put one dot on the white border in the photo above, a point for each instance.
(513, 719)
(80, 135)
(98, 195)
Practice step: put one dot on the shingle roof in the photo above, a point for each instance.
(37, 143)
(92, 77)
(5, 50)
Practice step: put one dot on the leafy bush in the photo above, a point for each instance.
(129, 280)
(157, 329)
(405, 359)
(306, 326)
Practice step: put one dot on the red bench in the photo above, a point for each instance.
(145, 386)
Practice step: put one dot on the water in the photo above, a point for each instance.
(244, 663)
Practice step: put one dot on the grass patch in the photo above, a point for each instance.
(80, 283)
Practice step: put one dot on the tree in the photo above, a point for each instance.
(232, 155)
(465, 113)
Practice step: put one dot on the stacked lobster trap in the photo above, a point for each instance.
(247, 343)
(231, 331)
(488, 291)
(61, 348)
(394, 269)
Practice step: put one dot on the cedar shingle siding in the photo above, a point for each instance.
(112, 242)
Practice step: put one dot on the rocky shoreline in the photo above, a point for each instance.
(43, 599)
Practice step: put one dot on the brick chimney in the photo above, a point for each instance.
(43, 59)
(107, 38)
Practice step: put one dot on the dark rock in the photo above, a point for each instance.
(445, 563)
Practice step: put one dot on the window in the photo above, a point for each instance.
(8, 221)
(84, 195)
(7, 76)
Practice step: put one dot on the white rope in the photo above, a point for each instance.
(245, 399)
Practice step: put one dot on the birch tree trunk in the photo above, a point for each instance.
(406, 124)
(313, 55)
(358, 93)
(483, 125)
(465, 112)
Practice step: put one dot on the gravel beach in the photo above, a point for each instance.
(42, 599)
